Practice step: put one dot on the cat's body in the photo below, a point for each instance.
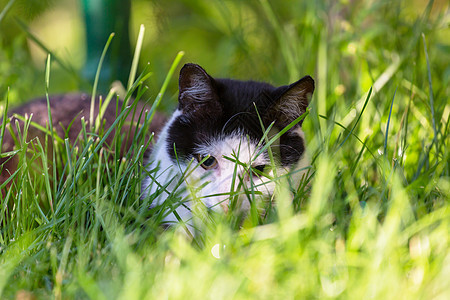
(67, 110)
(210, 145)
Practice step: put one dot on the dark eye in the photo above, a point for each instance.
(209, 162)
(258, 170)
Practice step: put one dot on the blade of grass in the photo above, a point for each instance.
(165, 84)
(45, 175)
(322, 79)
(39, 127)
(433, 118)
(357, 120)
(102, 109)
(6, 9)
(4, 120)
(387, 125)
(97, 76)
(354, 135)
(50, 121)
(283, 131)
(137, 53)
(377, 86)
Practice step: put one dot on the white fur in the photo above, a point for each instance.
(217, 182)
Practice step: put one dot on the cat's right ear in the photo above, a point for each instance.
(292, 101)
(196, 88)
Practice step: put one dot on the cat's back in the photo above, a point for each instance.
(67, 112)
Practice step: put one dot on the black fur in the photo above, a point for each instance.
(227, 106)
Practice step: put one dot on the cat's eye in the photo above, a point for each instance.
(258, 170)
(208, 163)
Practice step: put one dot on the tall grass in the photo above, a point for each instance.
(375, 222)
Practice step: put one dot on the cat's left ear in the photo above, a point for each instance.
(292, 100)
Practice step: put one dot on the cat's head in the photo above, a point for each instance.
(221, 127)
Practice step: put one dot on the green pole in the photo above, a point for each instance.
(102, 17)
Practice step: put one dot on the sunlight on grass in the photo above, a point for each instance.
(371, 219)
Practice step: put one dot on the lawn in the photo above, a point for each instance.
(372, 220)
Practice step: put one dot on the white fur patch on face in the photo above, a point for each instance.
(235, 154)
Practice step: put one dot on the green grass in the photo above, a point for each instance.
(375, 224)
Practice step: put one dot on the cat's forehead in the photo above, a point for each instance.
(236, 95)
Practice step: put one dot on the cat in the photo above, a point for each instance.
(211, 143)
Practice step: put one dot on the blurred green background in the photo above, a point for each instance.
(343, 44)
